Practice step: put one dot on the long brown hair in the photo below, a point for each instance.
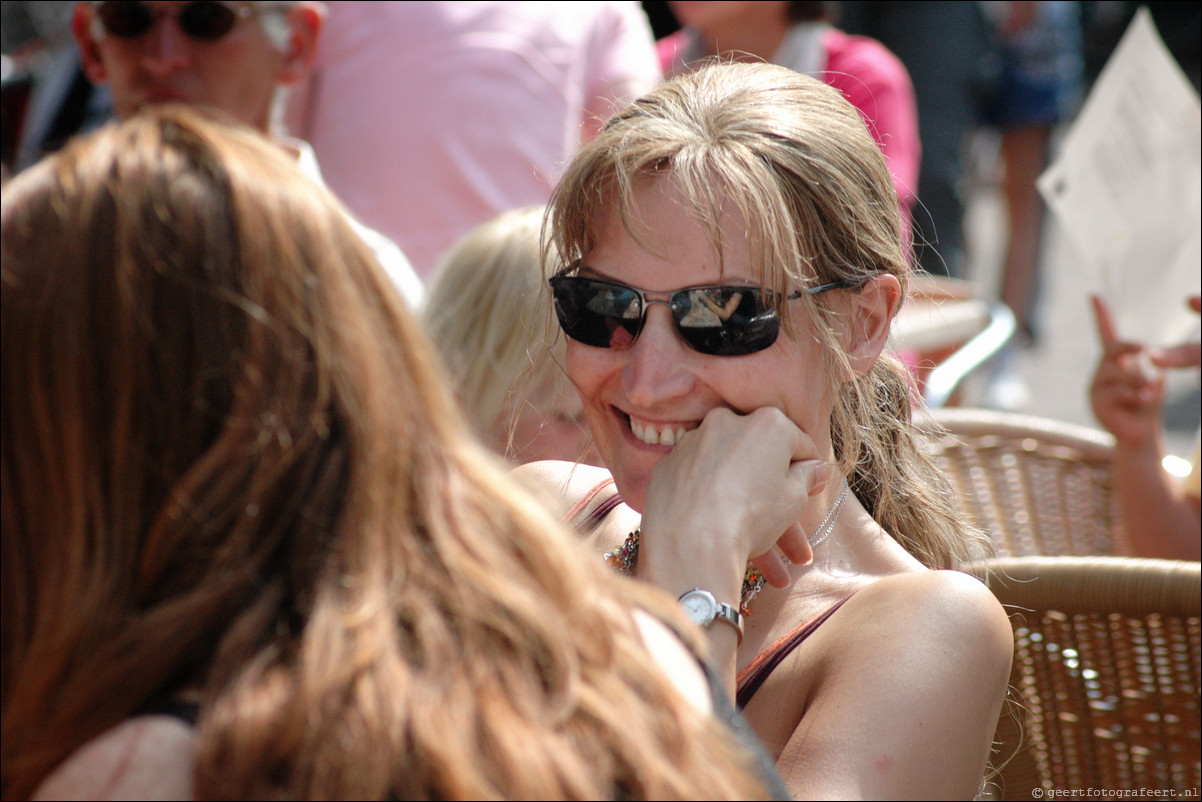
(796, 161)
(230, 464)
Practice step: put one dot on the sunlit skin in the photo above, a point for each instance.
(659, 380)
(237, 73)
(1127, 395)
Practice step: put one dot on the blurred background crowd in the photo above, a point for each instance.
(994, 84)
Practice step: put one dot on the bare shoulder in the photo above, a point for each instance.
(572, 488)
(570, 480)
(679, 664)
(934, 608)
(583, 494)
(149, 757)
(913, 670)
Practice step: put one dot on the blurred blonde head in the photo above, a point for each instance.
(485, 312)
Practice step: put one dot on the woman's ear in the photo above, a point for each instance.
(872, 311)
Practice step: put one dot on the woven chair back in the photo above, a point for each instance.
(1105, 682)
(1037, 486)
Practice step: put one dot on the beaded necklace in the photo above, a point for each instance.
(624, 558)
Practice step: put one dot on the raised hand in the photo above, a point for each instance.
(732, 490)
(1127, 390)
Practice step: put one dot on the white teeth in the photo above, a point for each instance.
(649, 434)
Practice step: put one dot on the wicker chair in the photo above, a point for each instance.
(1038, 486)
(1105, 680)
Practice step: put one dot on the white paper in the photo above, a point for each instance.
(1126, 189)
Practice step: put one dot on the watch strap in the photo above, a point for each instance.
(731, 615)
(721, 612)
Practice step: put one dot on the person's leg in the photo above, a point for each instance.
(1024, 153)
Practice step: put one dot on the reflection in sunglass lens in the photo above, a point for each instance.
(202, 20)
(597, 313)
(727, 321)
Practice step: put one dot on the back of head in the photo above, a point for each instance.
(182, 316)
(796, 162)
(231, 467)
(484, 312)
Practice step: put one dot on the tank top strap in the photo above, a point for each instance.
(756, 672)
(584, 516)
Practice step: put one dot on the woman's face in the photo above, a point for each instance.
(639, 399)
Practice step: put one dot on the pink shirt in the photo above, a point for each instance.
(432, 117)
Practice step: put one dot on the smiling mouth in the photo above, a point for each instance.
(655, 434)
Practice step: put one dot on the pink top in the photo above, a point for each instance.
(430, 118)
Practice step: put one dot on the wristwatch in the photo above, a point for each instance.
(701, 606)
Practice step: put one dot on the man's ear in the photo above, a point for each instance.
(870, 319)
(83, 17)
(305, 22)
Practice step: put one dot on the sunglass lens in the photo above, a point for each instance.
(597, 313)
(207, 21)
(204, 20)
(726, 321)
(125, 20)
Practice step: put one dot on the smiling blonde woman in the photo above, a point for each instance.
(764, 457)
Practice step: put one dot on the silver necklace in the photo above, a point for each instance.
(828, 523)
(754, 580)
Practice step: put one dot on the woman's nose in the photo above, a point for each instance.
(165, 46)
(658, 363)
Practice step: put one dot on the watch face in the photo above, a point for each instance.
(699, 606)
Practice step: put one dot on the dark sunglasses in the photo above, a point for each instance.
(720, 321)
(203, 20)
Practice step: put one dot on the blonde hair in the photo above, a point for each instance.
(484, 311)
(794, 159)
(231, 464)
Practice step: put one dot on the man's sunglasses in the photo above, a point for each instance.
(720, 321)
(203, 20)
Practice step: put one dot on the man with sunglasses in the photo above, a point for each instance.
(236, 57)
(472, 108)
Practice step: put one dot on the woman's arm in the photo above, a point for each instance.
(730, 491)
